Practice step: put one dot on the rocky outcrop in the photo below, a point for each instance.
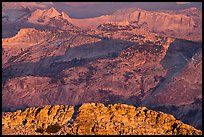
(94, 119)
(36, 119)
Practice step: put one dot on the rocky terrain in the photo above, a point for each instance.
(160, 22)
(185, 24)
(49, 58)
(93, 119)
(95, 67)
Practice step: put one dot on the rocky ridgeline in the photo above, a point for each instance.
(93, 119)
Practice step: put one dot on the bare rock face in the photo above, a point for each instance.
(36, 119)
(185, 24)
(121, 119)
(94, 119)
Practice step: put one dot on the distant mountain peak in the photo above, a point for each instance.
(51, 12)
(52, 9)
(43, 16)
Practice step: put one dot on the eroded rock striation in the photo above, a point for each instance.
(93, 119)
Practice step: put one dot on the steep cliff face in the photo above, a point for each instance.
(180, 24)
(156, 21)
(93, 119)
